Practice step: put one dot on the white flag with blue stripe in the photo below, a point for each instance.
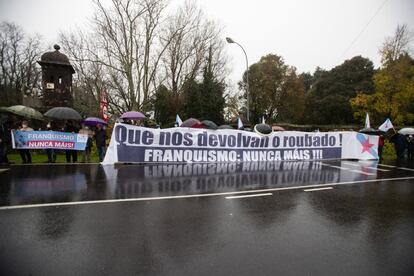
(178, 120)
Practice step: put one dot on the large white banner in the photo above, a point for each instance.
(133, 144)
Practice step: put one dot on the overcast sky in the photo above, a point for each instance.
(307, 33)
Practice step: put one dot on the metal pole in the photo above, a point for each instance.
(247, 82)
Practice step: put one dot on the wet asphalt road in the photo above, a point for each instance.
(364, 225)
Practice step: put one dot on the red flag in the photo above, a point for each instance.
(104, 105)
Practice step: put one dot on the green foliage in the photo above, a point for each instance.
(394, 93)
(202, 100)
(388, 151)
(328, 100)
(192, 99)
(307, 80)
(212, 101)
(276, 91)
(162, 104)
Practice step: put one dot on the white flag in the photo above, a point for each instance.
(367, 123)
(386, 125)
(178, 120)
(239, 123)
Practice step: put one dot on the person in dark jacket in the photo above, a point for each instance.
(71, 153)
(5, 140)
(25, 153)
(380, 146)
(400, 145)
(100, 139)
(410, 152)
(51, 153)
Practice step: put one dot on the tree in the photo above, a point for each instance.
(134, 47)
(394, 93)
(205, 99)
(125, 42)
(307, 80)
(90, 78)
(275, 90)
(212, 93)
(396, 46)
(328, 101)
(191, 99)
(163, 100)
(394, 83)
(191, 38)
(19, 74)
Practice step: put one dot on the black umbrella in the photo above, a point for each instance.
(225, 127)
(372, 131)
(63, 113)
(262, 129)
(25, 111)
(209, 124)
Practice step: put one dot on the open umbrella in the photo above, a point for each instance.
(406, 131)
(264, 129)
(133, 115)
(209, 124)
(191, 122)
(25, 111)
(277, 128)
(93, 121)
(3, 109)
(225, 127)
(372, 131)
(63, 113)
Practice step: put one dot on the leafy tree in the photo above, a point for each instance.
(394, 83)
(275, 90)
(328, 100)
(212, 91)
(163, 100)
(192, 99)
(396, 46)
(307, 80)
(205, 99)
(394, 93)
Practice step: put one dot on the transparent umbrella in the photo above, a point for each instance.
(25, 111)
(406, 131)
(63, 113)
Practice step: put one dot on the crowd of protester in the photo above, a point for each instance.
(97, 136)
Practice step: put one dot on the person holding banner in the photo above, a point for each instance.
(71, 153)
(25, 153)
(100, 139)
(86, 154)
(4, 143)
(51, 154)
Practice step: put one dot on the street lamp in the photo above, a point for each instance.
(229, 40)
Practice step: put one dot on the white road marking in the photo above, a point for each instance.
(371, 168)
(318, 189)
(199, 195)
(347, 169)
(401, 168)
(361, 172)
(246, 196)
